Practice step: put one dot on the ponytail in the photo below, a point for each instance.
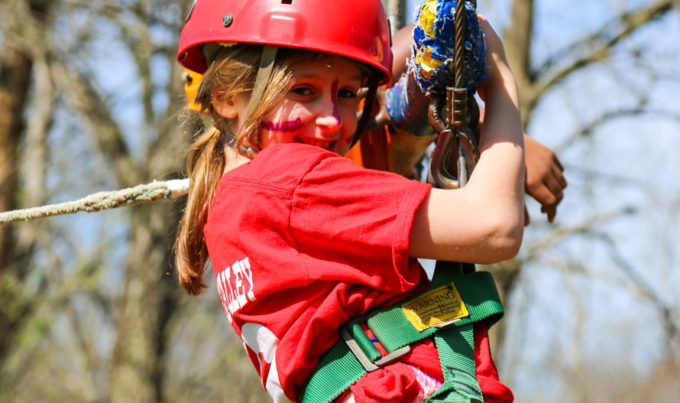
(205, 165)
(232, 72)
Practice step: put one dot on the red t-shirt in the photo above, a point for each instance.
(301, 240)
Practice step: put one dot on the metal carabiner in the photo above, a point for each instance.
(454, 134)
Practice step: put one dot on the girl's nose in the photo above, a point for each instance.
(328, 123)
(328, 118)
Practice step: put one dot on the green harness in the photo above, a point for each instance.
(355, 355)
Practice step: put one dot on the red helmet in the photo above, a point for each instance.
(357, 29)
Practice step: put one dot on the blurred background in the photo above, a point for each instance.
(91, 99)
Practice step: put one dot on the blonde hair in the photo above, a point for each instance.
(232, 73)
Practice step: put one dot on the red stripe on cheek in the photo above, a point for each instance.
(334, 99)
(288, 126)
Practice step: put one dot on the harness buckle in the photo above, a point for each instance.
(359, 353)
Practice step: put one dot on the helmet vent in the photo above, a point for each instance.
(286, 1)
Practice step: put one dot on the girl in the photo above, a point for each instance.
(303, 241)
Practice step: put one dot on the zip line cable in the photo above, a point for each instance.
(139, 194)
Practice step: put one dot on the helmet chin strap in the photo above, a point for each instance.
(267, 59)
(366, 114)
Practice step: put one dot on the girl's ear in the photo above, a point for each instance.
(227, 107)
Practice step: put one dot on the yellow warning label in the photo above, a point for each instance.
(443, 304)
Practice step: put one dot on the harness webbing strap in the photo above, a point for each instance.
(456, 345)
(457, 357)
(339, 368)
(267, 59)
(477, 289)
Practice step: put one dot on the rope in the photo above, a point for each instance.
(139, 194)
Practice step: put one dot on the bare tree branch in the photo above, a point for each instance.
(600, 44)
(607, 117)
(83, 98)
(642, 286)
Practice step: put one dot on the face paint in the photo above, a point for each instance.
(320, 109)
(334, 99)
(288, 126)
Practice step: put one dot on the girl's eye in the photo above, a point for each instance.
(302, 91)
(347, 93)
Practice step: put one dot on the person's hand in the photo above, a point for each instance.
(544, 178)
(379, 115)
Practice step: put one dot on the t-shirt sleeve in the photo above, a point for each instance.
(358, 220)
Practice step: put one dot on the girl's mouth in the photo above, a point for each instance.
(328, 145)
(288, 126)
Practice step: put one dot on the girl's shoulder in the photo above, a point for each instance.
(294, 156)
(291, 166)
(284, 166)
(290, 160)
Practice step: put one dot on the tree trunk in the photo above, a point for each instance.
(151, 292)
(16, 72)
(149, 300)
(15, 77)
(517, 41)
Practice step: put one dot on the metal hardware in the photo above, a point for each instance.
(361, 356)
(455, 133)
(455, 136)
(227, 20)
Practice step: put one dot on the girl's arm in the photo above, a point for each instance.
(483, 221)
(544, 181)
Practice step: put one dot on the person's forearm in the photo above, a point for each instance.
(500, 170)
(401, 50)
(502, 123)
